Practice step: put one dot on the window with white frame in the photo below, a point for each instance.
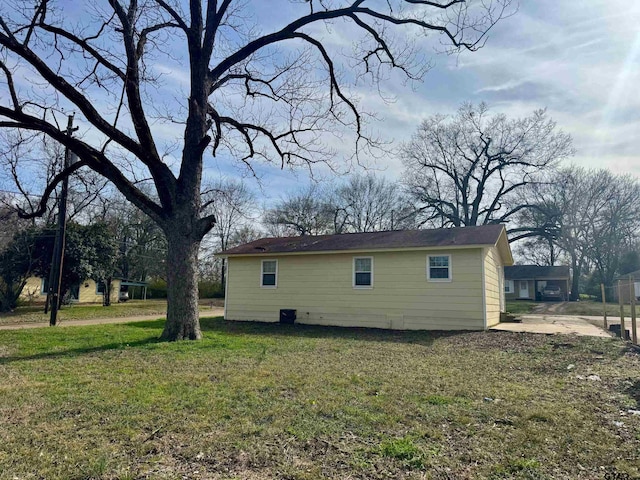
(439, 268)
(363, 272)
(269, 274)
(508, 286)
(44, 285)
(100, 288)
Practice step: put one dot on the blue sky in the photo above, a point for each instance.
(580, 60)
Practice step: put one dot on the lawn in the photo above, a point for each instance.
(35, 313)
(589, 307)
(521, 306)
(259, 401)
(583, 307)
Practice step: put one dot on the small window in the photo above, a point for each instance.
(363, 272)
(439, 268)
(508, 286)
(269, 274)
(100, 288)
(44, 285)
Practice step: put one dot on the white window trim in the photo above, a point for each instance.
(262, 273)
(511, 285)
(440, 280)
(42, 290)
(353, 274)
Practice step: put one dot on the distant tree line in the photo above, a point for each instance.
(470, 168)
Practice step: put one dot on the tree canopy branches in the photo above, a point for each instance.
(260, 91)
(469, 169)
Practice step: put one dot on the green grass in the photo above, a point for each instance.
(35, 313)
(258, 401)
(520, 306)
(589, 307)
(583, 307)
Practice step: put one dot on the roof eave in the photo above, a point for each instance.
(502, 244)
(359, 250)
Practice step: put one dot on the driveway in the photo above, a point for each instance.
(213, 312)
(556, 324)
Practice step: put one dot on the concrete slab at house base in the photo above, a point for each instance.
(554, 324)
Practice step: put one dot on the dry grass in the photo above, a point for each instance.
(35, 313)
(254, 401)
(589, 307)
(521, 306)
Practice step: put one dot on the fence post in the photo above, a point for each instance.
(604, 305)
(632, 293)
(623, 331)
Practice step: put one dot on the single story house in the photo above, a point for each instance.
(526, 282)
(443, 279)
(86, 292)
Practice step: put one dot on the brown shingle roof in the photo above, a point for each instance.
(442, 237)
(530, 272)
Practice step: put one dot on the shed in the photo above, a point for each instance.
(526, 282)
(441, 279)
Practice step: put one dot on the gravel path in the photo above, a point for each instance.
(213, 312)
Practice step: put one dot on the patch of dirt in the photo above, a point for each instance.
(551, 308)
(506, 341)
(633, 390)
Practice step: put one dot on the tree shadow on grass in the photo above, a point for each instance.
(297, 330)
(75, 352)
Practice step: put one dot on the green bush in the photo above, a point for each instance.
(157, 289)
(206, 289)
(210, 289)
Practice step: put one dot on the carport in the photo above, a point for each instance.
(133, 283)
(526, 282)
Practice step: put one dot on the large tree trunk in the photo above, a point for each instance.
(182, 287)
(575, 280)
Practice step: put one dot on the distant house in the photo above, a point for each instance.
(87, 291)
(625, 281)
(526, 282)
(444, 279)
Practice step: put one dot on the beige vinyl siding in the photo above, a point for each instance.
(320, 288)
(32, 290)
(87, 294)
(493, 270)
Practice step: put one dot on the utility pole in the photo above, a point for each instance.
(55, 276)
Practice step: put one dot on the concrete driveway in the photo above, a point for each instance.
(556, 324)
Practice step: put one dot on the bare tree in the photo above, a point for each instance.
(615, 224)
(231, 202)
(252, 95)
(593, 215)
(536, 251)
(43, 158)
(306, 212)
(142, 247)
(10, 222)
(468, 169)
(371, 204)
